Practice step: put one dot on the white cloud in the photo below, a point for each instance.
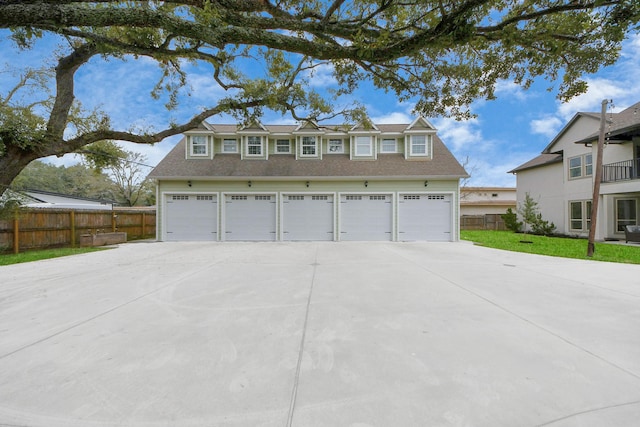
(599, 89)
(321, 76)
(458, 135)
(393, 118)
(548, 126)
(509, 89)
(204, 88)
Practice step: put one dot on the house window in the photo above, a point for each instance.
(418, 145)
(254, 146)
(363, 146)
(588, 164)
(388, 146)
(283, 146)
(575, 167)
(229, 145)
(580, 215)
(576, 216)
(198, 145)
(336, 146)
(308, 145)
(581, 166)
(625, 213)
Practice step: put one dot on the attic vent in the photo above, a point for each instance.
(319, 197)
(180, 197)
(238, 197)
(436, 197)
(378, 197)
(352, 197)
(204, 197)
(295, 197)
(263, 197)
(411, 197)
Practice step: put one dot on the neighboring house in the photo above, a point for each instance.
(561, 178)
(487, 200)
(50, 200)
(309, 182)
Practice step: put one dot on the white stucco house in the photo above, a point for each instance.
(561, 178)
(487, 200)
(258, 182)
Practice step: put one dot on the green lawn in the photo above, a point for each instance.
(6, 259)
(553, 246)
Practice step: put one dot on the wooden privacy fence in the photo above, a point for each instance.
(482, 222)
(44, 228)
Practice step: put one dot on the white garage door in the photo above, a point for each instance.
(250, 217)
(424, 217)
(307, 217)
(365, 217)
(191, 217)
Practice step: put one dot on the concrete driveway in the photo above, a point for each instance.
(318, 334)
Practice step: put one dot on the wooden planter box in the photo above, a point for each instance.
(102, 239)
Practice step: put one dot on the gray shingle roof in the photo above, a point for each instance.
(175, 165)
(541, 160)
(624, 124)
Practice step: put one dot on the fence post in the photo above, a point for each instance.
(113, 221)
(16, 233)
(144, 226)
(72, 223)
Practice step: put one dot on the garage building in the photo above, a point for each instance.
(309, 183)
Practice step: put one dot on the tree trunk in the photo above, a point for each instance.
(11, 164)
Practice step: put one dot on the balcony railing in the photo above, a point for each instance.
(621, 171)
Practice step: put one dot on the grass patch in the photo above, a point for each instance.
(553, 246)
(37, 255)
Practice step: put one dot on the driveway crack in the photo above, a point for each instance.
(524, 319)
(296, 380)
(588, 411)
(92, 318)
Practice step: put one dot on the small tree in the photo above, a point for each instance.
(531, 218)
(511, 221)
(528, 211)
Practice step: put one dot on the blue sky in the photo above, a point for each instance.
(507, 132)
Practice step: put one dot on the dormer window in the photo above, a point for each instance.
(388, 145)
(254, 146)
(364, 146)
(283, 146)
(199, 145)
(419, 145)
(230, 145)
(309, 146)
(336, 146)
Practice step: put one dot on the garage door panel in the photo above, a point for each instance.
(307, 217)
(366, 217)
(191, 217)
(425, 217)
(250, 217)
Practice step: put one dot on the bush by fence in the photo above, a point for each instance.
(45, 228)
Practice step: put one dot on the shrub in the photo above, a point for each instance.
(540, 226)
(511, 221)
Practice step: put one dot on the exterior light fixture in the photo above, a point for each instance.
(366, 183)
(189, 183)
(307, 183)
(426, 183)
(249, 183)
